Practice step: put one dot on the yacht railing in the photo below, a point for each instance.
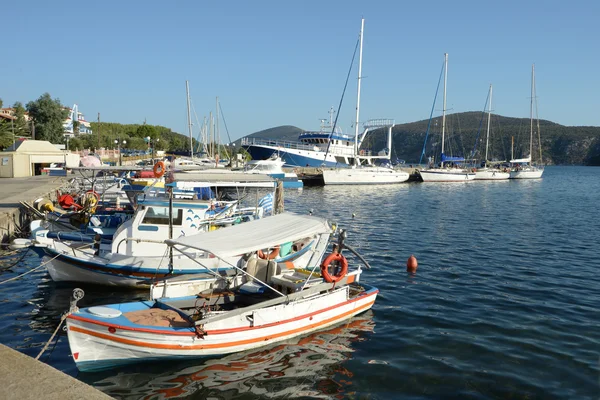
(334, 149)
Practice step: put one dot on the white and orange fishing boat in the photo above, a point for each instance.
(264, 303)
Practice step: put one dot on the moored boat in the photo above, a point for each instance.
(270, 304)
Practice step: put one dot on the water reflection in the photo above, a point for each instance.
(308, 366)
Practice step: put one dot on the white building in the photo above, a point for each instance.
(84, 126)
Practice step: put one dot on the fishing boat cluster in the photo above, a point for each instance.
(226, 269)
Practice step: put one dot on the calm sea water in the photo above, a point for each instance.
(504, 303)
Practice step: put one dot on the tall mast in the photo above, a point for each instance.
(487, 141)
(211, 135)
(444, 107)
(189, 115)
(217, 128)
(531, 114)
(362, 27)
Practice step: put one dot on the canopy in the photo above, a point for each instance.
(255, 235)
(447, 158)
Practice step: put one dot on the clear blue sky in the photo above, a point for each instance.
(279, 62)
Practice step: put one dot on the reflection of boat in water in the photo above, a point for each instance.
(295, 368)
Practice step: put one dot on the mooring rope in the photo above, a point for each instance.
(4, 268)
(54, 334)
(31, 270)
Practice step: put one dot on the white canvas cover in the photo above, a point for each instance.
(521, 160)
(255, 235)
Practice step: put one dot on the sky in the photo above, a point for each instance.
(280, 62)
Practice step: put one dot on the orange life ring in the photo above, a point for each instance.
(327, 262)
(268, 256)
(159, 169)
(473, 170)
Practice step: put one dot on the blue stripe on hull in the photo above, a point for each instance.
(292, 160)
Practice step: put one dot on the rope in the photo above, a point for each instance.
(16, 262)
(341, 101)
(54, 334)
(31, 270)
(431, 114)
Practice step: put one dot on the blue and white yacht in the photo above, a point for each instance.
(325, 147)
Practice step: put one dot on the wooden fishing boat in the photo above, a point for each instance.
(261, 305)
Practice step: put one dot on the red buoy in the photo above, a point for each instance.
(411, 264)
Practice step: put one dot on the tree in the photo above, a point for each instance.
(143, 131)
(1, 103)
(76, 144)
(48, 116)
(21, 124)
(6, 136)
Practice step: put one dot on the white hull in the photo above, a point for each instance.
(363, 176)
(491, 175)
(533, 173)
(446, 175)
(94, 346)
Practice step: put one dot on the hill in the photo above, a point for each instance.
(560, 144)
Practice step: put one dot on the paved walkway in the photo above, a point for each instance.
(22, 377)
(14, 190)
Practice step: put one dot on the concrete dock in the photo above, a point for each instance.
(22, 377)
(15, 190)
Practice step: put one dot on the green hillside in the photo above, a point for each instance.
(560, 144)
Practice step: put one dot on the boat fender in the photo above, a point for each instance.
(327, 262)
(411, 264)
(159, 169)
(268, 256)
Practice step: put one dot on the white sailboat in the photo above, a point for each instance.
(360, 173)
(523, 168)
(490, 173)
(447, 171)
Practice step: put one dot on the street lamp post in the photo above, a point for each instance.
(118, 143)
(151, 145)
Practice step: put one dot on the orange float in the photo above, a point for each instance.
(159, 169)
(327, 262)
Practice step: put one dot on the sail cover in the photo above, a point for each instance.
(521, 160)
(255, 235)
(446, 158)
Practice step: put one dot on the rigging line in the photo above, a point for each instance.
(431, 114)
(480, 124)
(224, 122)
(341, 101)
(220, 110)
(198, 124)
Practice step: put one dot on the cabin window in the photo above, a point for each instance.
(160, 216)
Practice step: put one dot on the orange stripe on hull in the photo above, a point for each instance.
(219, 345)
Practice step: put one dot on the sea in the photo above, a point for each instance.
(505, 303)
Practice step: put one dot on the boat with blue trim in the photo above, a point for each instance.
(326, 147)
(261, 305)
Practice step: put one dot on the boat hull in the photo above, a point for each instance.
(491, 175)
(293, 157)
(446, 175)
(98, 343)
(363, 176)
(527, 174)
(140, 272)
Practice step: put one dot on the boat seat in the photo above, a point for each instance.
(261, 269)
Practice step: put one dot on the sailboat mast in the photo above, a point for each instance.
(217, 128)
(487, 140)
(362, 27)
(444, 107)
(189, 115)
(531, 114)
